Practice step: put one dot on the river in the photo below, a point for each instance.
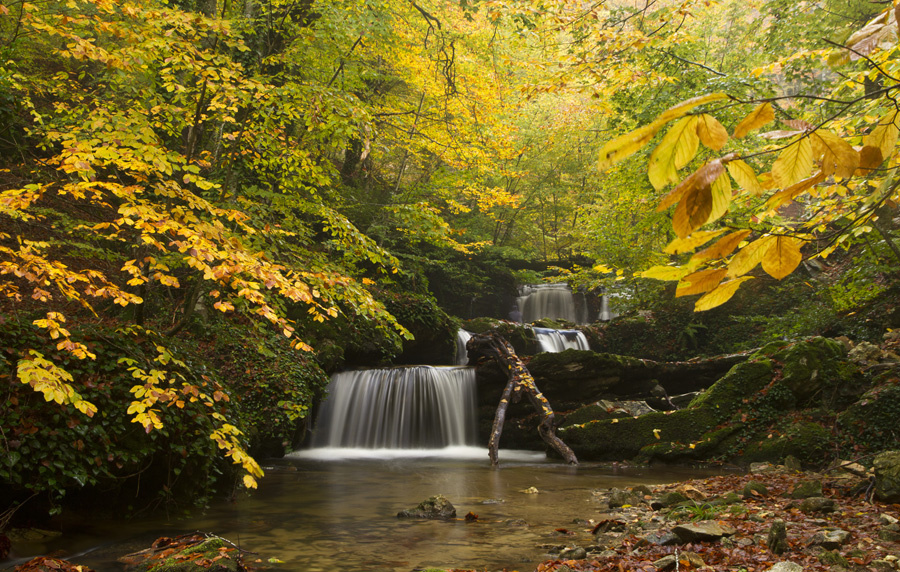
(321, 510)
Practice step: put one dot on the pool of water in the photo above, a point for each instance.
(321, 510)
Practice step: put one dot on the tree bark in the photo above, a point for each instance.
(493, 346)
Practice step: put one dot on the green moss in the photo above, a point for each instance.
(743, 380)
(809, 442)
(870, 424)
(197, 559)
(810, 365)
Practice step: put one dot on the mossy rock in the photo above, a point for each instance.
(809, 442)
(743, 380)
(871, 422)
(812, 366)
(887, 476)
(754, 489)
(592, 412)
(198, 558)
(521, 337)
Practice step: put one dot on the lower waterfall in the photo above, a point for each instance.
(419, 407)
(550, 340)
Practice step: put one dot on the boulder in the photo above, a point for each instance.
(436, 507)
(807, 489)
(755, 489)
(887, 476)
(706, 530)
(830, 539)
(197, 552)
(816, 504)
(619, 498)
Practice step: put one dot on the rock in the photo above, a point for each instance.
(807, 489)
(660, 538)
(786, 567)
(667, 500)
(665, 562)
(890, 533)
(530, 491)
(881, 566)
(702, 531)
(887, 477)
(619, 498)
(197, 552)
(865, 353)
(816, 504)
(437, 507)
(792, 464)
(831, 539)
(574, 553)
(887, 519)
(516, 523)
(692, 559)
(755, 489)
(829, 558)
(777, 539)
(642, 490)
(691, 492)
(756, 468)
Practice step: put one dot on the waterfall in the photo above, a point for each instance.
(462, 355)
(420, 407)
(560, 340)
(605, 314)
(554, 301)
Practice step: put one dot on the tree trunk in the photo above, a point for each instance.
(492, 346)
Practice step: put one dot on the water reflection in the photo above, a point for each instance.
(315, 514)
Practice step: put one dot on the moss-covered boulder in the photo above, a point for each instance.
(520, 336)
(808, 441)
(196, 552)
(870, 424)
(887, 476)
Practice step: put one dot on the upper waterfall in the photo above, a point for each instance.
(553, 301)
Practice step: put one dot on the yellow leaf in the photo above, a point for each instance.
(794, 163)
(838, 156)
(656, 433)
(721, 197)
(249, 482)
(711, 132)
(748, 257)
(761, 115)
(625, 145)
(782, 257)
(884, 135)
(869, 159)
(744, 176)
(699, 282)
(675, 151)
(782, 197)
(682, 245)
(664, 273)
(723, 247)
(719, 296)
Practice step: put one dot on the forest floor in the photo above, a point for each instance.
(728, 525)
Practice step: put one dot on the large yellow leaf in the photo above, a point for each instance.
(665, 273)
(692, 211)
(744, 176)
(748, 257)
(761, 115)
(720, 295)
(702, 177)
(787, 195)
(794, 163)
(869, 159)
(681, 109)
(884, 135)
(682, 245)
(721, 197)
(625, 145)
(675, 151)
(722, 247)
(700, 282)
(711, 132)
(782, 257)
(838, 157)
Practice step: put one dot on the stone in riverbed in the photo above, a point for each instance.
(573, 553)
(816, 504)
(755, 489)
(831, 539)
(702, 531)
(807, 489)
(436, 507)
(786, 567)
(619, 498)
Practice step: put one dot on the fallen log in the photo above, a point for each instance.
(493, 346)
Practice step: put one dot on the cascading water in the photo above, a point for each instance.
(560, 340)
(419, 407)
(462, 355)
(554, 301)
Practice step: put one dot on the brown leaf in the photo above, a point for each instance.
(722, 247)
(869, 159)
(700, 282)
(799, 124)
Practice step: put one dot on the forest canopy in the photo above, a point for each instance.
(287, 162)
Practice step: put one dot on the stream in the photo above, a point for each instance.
(327, 508)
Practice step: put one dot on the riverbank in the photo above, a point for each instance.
(772, 518)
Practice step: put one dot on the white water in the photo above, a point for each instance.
(462, 355)
(560, 340)
(553, 301)
(419, 407)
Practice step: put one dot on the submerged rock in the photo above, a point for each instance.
(437, 507)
